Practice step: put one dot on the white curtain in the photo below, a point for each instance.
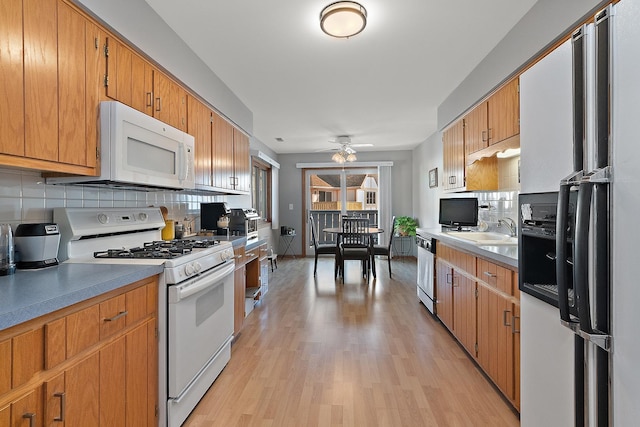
(384, 189)
(275, 199)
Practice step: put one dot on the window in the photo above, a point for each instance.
(371, 197)
(261, 185)
(324, 196)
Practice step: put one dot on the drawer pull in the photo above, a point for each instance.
(117, 316)
(63, 399)
(490, 274)
(504, 318)
(32, 418)
(513, 325)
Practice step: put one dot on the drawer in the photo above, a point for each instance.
(495, 276)
(113, 316)
(5, 366)
(27, 356)
(252, 254)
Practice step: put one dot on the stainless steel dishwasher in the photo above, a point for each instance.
(425, 276)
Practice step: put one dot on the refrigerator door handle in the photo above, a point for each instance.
(562, 270)
(581, 256)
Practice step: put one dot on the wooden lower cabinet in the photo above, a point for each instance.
(464, 311)
(444, 293)
(478, 303)
(84, 380)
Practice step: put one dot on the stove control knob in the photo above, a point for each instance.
(197, 267)
(189, 270)
(103, 218)
(142, 216)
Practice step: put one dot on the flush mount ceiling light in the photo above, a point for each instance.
(343, 19)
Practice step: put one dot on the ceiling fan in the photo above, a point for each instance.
(346, 152)
(345, 144)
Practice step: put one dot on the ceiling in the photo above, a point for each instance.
(381, 87)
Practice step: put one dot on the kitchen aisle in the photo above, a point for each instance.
(319, 353)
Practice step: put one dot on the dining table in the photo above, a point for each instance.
(370, 231)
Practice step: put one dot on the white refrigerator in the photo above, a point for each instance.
(547, 132)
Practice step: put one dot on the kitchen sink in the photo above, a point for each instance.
(483, 238)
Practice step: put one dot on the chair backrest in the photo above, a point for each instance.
(393, 231)
(354, 232)
(314, 239)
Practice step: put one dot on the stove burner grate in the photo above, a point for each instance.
(165, 249)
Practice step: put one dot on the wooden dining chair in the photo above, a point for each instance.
(386, 250)
(321, 249)
(355, 244)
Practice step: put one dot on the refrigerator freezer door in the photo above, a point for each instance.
(546, 136)
(626, 205)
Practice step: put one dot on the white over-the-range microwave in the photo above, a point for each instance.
(139, 151)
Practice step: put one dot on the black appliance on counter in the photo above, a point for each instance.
(537, 246)
(244, 222)
(210, 214)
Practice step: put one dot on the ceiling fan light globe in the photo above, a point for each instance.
(351, 158)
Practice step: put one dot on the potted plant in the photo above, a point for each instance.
(406, 226)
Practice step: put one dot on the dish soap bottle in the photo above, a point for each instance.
(7, 262)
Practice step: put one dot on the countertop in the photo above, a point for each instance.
(502, 254)
(29, 294)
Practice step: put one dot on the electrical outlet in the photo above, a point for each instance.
(290, 206)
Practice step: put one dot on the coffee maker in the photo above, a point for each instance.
(212, 217)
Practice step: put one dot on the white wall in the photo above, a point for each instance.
(427, 156)
(540, 27)
(138, 23)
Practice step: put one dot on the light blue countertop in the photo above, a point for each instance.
(29, 294)
(502, 254)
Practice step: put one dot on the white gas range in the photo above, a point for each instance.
(195, 299)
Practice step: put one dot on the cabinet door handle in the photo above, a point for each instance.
(63, 399)
(117, 316)
(513, 325)
(504, 318)
(158, 104)
(449, 278)
(490, 136)
(149, 99)
(32, 418)
(490, 274)
(484, 136)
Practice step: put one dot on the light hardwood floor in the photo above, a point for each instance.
(317, 352)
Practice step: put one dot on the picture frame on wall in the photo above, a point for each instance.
(433, 178)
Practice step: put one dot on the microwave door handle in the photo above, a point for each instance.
(562, 270)
(581, 256)
(184, 163)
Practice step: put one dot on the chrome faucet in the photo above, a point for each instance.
(510, 224)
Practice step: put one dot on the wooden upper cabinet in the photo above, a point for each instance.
(41, 79)
(141, 85)
(199, 126)
(169, 101)
(222, 153)
(119, 81)
(504, 112)
(72, 86)
(11, 78)
(476, 133)
(453, 156)
(241, 161)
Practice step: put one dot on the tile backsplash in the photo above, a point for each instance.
(25, 198)
(499, 204)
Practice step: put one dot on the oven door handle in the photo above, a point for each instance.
(179, 292)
